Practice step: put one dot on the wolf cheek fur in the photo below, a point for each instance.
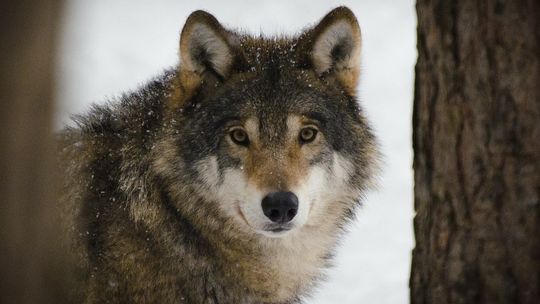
(229, 178)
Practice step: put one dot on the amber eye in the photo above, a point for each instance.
(308, 135)
(239, 137)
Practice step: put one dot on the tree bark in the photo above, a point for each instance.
(32, 265)
(476, 137)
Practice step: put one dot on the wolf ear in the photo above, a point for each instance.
(205, 46)
(334, 47)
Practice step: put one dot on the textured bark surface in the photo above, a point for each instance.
(477, 152)
(30, 257)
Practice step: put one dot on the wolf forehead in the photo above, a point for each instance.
(229, 73)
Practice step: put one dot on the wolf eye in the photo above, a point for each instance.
(239, 137)
(308, 135)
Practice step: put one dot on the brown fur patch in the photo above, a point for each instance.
(280, 168)
(183, 88)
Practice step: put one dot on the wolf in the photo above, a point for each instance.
(227, 179)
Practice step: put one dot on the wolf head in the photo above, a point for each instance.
(269, 129)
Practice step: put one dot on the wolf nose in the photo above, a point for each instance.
(280, 207)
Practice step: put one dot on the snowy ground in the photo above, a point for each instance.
(112, 46)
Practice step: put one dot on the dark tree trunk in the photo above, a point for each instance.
(32, 266)
(477, 152)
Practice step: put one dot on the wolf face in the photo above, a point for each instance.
(270, 127)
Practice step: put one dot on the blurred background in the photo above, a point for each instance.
(108, 47)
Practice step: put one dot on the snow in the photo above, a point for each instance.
(112, 46)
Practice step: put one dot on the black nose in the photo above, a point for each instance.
(280, 207)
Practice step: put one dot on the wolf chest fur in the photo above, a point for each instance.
(227, 179)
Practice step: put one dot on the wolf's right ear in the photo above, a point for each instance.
(205, 46)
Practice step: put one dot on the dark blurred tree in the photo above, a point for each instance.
(31, 259)
(477, 152)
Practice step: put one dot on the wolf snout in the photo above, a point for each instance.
(280, 207)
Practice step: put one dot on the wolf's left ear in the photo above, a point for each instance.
(205, 46)
(334, 47)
